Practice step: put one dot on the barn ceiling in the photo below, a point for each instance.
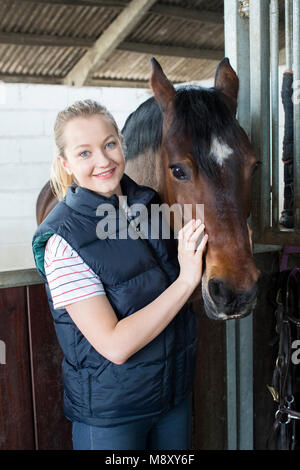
(109, 43)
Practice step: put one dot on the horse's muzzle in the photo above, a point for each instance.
(222, 303)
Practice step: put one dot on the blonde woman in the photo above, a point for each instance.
(119, 304)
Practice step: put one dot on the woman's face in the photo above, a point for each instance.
(94, 154)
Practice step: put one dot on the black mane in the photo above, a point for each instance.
(200, 113)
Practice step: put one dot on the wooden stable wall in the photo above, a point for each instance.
(31, 412)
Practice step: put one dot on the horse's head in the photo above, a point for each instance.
(208, 159)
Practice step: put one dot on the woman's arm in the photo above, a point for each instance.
(118, 340)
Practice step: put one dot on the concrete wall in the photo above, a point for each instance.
(27, 115)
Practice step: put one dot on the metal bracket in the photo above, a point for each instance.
(244, 9)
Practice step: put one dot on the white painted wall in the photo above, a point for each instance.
(27, 115)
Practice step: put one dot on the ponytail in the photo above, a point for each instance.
(60, 180)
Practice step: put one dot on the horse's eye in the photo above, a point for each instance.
(178, 173)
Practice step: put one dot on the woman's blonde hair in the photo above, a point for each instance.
(60, 180)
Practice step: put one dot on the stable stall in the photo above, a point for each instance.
(96, 43)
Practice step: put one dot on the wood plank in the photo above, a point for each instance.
(209, 397)
(106, 82)
(33, 79)
(16, 424)
(108, 41)
(52, 429)
(27, 39)
(278, 237)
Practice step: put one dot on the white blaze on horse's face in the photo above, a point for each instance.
(219, 150)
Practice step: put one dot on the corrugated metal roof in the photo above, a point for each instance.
(178, 32)
(49, 58)
(134, 66)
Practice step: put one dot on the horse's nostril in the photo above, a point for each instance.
(220, 293)
(226, 299)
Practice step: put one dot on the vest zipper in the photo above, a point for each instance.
(165, 385)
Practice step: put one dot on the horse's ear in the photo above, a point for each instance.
(162, 88)
(227, 81)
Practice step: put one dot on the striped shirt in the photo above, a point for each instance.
(70, 279)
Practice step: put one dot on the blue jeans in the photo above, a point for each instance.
(170, 431)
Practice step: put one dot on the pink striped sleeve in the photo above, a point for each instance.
(69, 278)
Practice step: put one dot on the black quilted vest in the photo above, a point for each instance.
(134, 272)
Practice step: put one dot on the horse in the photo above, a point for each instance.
(187, 144)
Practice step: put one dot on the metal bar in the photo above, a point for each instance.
(239, 335)
(231, 385)
(289, 34)
(245, 384)
(296, 71)
(274, 42)
(260, 111)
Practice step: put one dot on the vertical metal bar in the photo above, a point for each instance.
(296, 71)
(289, 34)
(231, 385)
(245, 383)
(274, 42)
(260, 111)
(239, 333)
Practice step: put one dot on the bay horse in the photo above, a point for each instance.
(187, 144)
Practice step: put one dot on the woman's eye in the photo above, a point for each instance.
(110, 145)
(178, 173)
(85, 153)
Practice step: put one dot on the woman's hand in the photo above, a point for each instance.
(191, 258)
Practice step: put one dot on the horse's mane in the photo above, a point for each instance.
(200, 113)
(143, 129)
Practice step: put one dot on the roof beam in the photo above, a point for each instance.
(80, 3)
(154, 49)
(32, 79)
(108, 41)
(188, 14)
(25, 39)
(171, 51)
(170, 11)
(49, 80)
(106, 82)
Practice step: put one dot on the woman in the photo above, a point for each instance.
(119, 303)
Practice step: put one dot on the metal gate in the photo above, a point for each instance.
(252, 45)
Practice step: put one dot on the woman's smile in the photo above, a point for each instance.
(106, 174)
